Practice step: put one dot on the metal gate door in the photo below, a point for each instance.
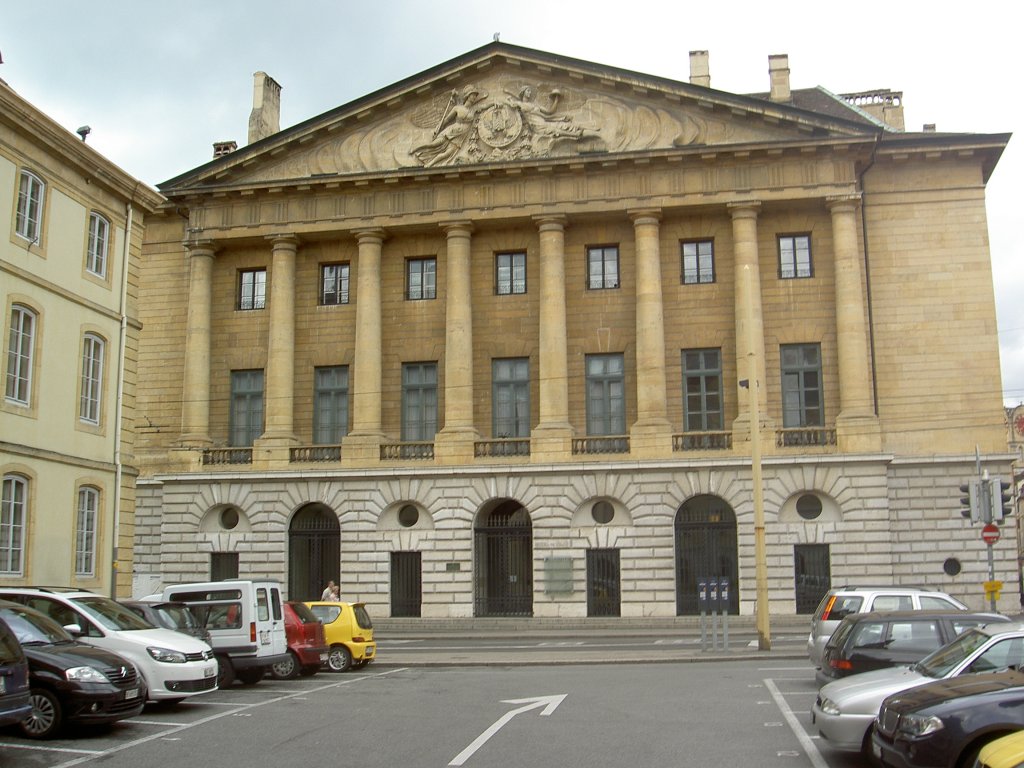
(503, 568)
(705, 547)
(406, 583)
(603, 591)
(812, 570)
(314, 551)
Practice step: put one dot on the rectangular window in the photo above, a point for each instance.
(698, 262)
(252, 289)
(29, 218)
(421, 279)
(606, 395)
(330, 405)
(802, 404)
(96, 249)
(20, 351)
(13, 508)
(602, 267)
(509, 273)
(795, 256)
(85, 532)
(92, 379)
(223, 565)
(246, 407)
(334, 284)
(702, 390)
(511, 397)
(419, 401)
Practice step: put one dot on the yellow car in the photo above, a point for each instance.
(1005, 752)
(349, 634)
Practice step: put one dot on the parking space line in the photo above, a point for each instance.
(211, 718)
(42, 748)
(794, 725)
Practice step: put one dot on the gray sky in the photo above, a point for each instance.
(160, 82)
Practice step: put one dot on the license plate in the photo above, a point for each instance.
(210, 672)
(131, 693)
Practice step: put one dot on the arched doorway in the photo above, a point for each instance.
(503, 576)
(705, 548)
(314, 551)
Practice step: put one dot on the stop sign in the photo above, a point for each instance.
(990, 534)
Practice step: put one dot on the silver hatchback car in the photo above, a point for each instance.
(840, 602)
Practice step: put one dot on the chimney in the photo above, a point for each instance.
(778, 71)
(265, 118)
(221, 148)
(700, 73)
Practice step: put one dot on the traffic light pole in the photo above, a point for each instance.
(986, 506)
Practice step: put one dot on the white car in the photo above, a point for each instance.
(173, 665)
(845, 709)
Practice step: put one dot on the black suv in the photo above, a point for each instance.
(14, 702)
(70, 682)
(867, 641)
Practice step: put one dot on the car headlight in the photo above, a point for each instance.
(829, 707)
(85, 675)
(167, 655)
(919, 725)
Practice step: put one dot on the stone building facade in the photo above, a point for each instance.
(68, 282)
(499, 340)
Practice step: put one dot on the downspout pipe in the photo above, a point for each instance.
(122, 343)
(867, 270)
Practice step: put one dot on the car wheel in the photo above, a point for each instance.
(339, 659)
(286, 670)
(46, 717)
(251, 676)
(225, 672)
(310, 670)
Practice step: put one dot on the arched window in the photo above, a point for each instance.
(13, 511)
(85, 531)
(28, 221)
(92, 379)
(96, 248)
(20, 354)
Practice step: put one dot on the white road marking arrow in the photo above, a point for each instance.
(549, 703)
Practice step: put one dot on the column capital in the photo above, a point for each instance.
(459, 227)
(744, 209)
(551, 221)
(838, 202)
(370, 235)
(200, 247)
(644, 215)
(284, 240)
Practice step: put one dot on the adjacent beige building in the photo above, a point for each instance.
(488, 342)
(68, 283)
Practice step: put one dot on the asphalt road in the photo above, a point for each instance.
(743, 713)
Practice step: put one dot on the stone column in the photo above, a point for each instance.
(365, 436)
(749, 315)
(552, 437)
(279, 395)
(652, 433)
(195, 398)
(856, 425)
(455, 440)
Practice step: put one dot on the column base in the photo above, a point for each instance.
(454, 445)
(858, 433)
(651, 438)
(551, 442)
(358, 450)
(272, 450)
(741, 434)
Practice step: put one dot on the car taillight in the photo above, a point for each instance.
(840, 664)
(252, 631)
(828, 608)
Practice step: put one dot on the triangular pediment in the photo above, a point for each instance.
(502, 105)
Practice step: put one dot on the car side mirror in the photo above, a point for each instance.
(74, 629)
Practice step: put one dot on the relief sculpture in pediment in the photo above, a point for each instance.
(474, 127)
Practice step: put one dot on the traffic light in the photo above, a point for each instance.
(1000, 496)
(970, 502)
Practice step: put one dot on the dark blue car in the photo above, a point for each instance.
(14, 699)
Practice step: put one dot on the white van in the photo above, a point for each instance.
(245, 621)
(173, 666)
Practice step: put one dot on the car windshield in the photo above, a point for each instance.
(33, 628)
(939, 663)
(109, 614)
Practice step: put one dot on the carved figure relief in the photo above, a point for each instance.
(474, 127)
